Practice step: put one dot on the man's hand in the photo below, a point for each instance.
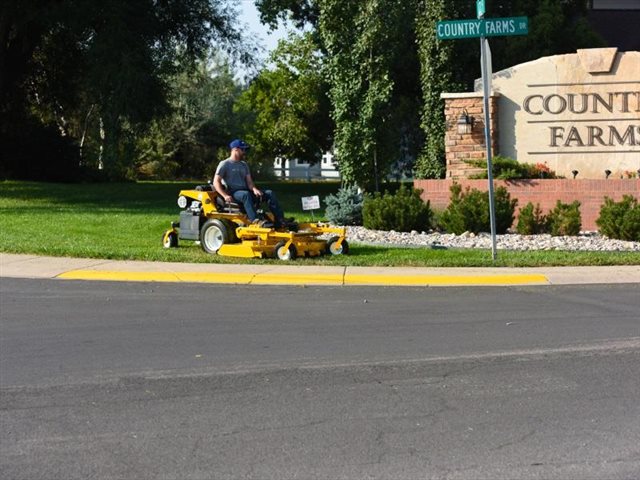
(228, 198)
(257, 192)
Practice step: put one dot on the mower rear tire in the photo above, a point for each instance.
(285, 253)
(334, 249)
(213, 234)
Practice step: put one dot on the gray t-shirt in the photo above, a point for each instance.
(234, 174)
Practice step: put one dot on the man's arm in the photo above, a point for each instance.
(217, 184)
(252, 186)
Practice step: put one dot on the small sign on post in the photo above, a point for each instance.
(311, 203)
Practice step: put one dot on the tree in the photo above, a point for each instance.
(79, 61)
(438, 73)
(366, 43)
(185, 142)
(300, 12)
(289, 104)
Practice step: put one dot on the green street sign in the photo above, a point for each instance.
(489, 27)
(480, 8)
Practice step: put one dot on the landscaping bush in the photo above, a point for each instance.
(465, 212)
(345, 207)
(505, 168)
(620, 220)
(505, 209)
(403, 211)
(565, 219)
(531, 220)
(468, 211)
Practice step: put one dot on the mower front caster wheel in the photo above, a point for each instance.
(334, 249)
(285, 253)
(170, 239)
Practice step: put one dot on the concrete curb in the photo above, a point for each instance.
(32, 266)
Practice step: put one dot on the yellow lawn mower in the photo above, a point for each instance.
(224, 229)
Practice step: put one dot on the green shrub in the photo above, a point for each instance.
(403, 211)
(345, 207)
(505, 168)
(505, 209)
(565, 219)
(463, 209)
(469, 211)
(620, 220)
(531, 220)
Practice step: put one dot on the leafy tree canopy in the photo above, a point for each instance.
(300, 12)
(370, 49)
(288, 104)
(188, 142)
(105, 65)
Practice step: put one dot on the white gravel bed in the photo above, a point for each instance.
(586, 241)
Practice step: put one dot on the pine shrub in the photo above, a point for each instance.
(403, 211)
(531, 220)
(620, 220)
(468, 211)
(505, 209)
(345, 207)
(565, 219)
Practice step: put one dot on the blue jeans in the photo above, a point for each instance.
(247, 199)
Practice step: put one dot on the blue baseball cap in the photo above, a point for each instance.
(237, 143)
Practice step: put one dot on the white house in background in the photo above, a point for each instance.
(296, 169)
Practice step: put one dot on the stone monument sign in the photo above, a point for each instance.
(573, 112)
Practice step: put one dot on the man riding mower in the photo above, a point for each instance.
(226, 221)
(224, 228)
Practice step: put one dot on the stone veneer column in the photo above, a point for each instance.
(461, 148)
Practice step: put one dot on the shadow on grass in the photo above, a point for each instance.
(151, 197)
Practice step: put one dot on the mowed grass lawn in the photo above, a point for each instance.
(126, 221)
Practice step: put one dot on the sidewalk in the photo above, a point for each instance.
(32, 266)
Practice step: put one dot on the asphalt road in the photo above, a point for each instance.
(116, 380)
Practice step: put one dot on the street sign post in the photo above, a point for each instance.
(483, 28)
(486, 69)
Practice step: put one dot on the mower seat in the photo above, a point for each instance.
(231, 207)
(221, 205)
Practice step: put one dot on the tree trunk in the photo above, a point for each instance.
(84, 133)
(100, 163)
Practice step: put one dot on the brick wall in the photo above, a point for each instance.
(459, 148)
(590, 193)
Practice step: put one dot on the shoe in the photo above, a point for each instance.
(287, 223)
(258, 222)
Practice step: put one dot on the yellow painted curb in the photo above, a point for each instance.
(305, 279)
(204, 277)
(292, 279)
(123, 276)
(119, 276)
(513, 279)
